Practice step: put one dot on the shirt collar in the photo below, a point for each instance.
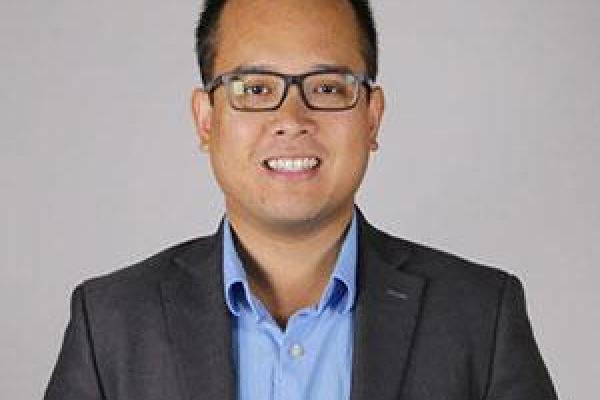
(341, 286)
(234, 275)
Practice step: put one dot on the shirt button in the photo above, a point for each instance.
(296, 350)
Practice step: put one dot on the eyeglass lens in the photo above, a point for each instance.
(329, 91)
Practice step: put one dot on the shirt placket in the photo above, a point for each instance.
(292, 364)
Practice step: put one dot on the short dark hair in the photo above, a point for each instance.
(206, 36)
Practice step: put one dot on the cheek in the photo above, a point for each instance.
(232, 135)
(350, 139)
(234, 141)
(351, 148)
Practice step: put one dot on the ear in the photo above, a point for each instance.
(202, 113)
(376, 108)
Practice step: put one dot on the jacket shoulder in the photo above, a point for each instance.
(440, 267)
(147, 273)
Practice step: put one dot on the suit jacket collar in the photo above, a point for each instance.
(386, 313)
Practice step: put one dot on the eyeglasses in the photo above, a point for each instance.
(259, 90)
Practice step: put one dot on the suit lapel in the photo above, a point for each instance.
(387, 309)
(198, 321)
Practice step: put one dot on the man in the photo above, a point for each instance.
(296, 296)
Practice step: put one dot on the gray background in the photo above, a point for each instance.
(489, 149)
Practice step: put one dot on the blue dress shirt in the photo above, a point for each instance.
(312, 358)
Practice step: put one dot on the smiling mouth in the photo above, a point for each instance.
(292, 164)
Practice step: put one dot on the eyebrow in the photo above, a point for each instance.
(249, 68)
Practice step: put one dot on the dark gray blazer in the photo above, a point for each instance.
(428, 326)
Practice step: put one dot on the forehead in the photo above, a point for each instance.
(290, 35)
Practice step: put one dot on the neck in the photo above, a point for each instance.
(288, 269)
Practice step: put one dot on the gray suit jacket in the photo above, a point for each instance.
(428, 325)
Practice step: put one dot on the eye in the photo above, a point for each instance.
(326, 88)
(330, 88)
(256, 90)
(251, 87)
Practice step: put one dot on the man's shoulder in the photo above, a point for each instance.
(440, 268)
(148, 273)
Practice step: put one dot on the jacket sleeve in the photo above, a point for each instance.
(517, 371)
(75, 376)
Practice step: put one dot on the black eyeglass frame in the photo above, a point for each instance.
(289, 80)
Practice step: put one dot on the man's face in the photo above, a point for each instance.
(291, 37)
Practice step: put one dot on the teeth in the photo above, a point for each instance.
(292, 164)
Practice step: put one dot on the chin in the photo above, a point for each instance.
(300, 216)
(291, 215)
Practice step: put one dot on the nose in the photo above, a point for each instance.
(293, 117)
